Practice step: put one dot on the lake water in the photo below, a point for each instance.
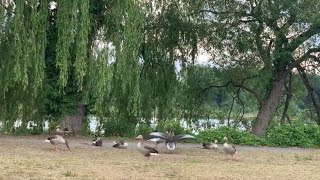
(201, 125)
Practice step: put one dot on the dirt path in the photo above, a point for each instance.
(85, 142)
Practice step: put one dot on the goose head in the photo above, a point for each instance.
(140, 138)
(225, 139)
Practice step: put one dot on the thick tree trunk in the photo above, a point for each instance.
(268, 108)
(74, 122)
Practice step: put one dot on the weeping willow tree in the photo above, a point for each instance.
(169, 52)
(134, 78)
(113, 78)
(22, 44)
(118, 57)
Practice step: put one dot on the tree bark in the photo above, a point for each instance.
(288, 99)
(74, 122)
(269, 107)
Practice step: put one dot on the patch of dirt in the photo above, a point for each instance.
(29, 157)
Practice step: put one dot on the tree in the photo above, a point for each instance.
(262, 38)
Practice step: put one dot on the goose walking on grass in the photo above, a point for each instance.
(228, 148)
(97, 141)
(121, 144)
(211, 145)
(146, 151)
(57, 139)
(170, 139)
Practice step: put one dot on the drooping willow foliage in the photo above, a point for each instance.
(23, 40)
(113, 77)
(129, 61)
(73, 26)
(22, 48)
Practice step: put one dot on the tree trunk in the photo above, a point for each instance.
(311, 91)
(74, 122)
(268, 108)
(288, 99)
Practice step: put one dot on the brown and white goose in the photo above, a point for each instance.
(97, 141)
(57, 139)
(121, 144)
(228, 148)
(146, 151)
(211, 145)
(170, 138)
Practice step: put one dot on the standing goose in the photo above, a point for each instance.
(228, 148)
(170, 139)
(121, 144)
(57, 139)
(210, 145)
(97, 141)
(147, 151)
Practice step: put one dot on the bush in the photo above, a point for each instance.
(118, 128)
(170, 126)
(297, 135)
(234, 136)
(143, 129)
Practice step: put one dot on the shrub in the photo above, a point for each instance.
(297, 134)
(118, 128)
(170, 126)
(234, 136)
(143, 129)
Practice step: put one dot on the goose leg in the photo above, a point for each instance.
(235, 158)
(56, 148)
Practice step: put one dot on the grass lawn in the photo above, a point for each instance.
(28, 157)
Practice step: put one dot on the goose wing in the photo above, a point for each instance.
(206, 145)
(156, 140)
(151, 150)
(235, 150)
(229, 149)
(159, 135)
(183, 136)
(98, 142)
(116, 144)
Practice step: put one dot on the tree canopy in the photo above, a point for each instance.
(134, 61)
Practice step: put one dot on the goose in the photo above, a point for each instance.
(228, 148)
(97, 141)
(121, 144)
(210, 145)
(57, 139)
(170, 138)
(147, 151)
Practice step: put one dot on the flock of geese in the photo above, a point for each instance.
(169, 139)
